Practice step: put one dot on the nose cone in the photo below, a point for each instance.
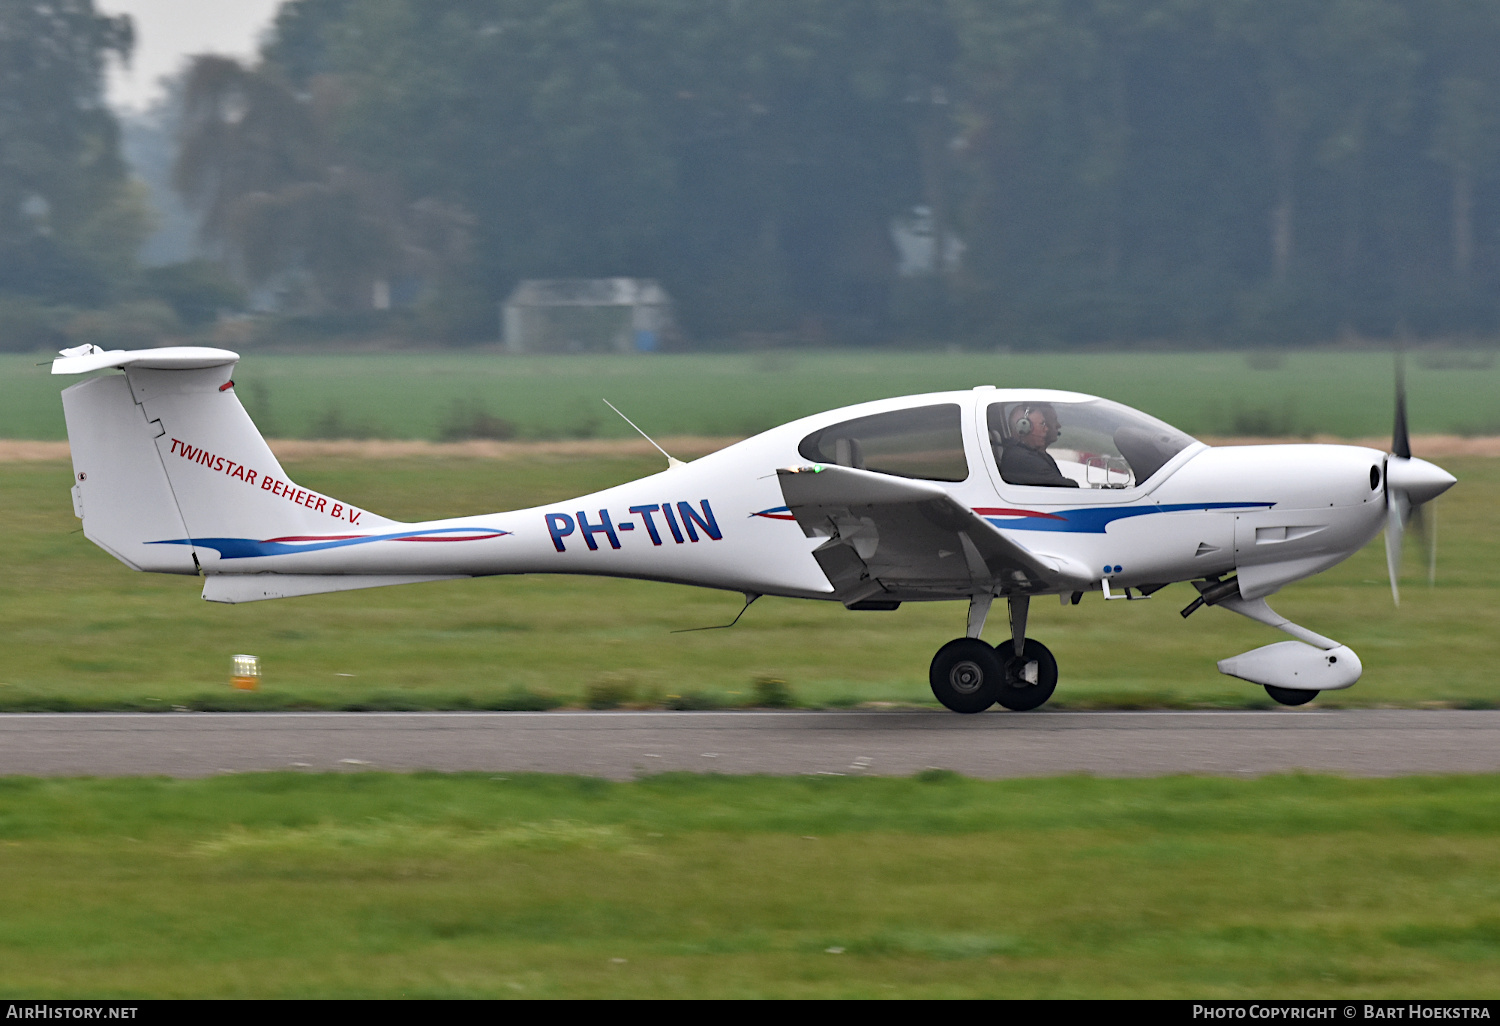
(1419, 480)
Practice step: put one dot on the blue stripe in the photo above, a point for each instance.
(1094, 519)
(246, 548)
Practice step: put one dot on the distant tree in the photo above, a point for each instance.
(196, 290)
(261, 162)
(69, 218)
(1334, 78)
(1116, 169)
(1466, 131)
(302, 36)
(1074, 184)
(751, 154)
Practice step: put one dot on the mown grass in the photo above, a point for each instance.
(376, 885)
(429, 395)
(83, 632)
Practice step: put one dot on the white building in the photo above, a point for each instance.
(586, 315)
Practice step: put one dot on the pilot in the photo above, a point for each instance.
(1024, 458)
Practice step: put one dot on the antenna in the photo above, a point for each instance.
(672, 461)
(750, 598)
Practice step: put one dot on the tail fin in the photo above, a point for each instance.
(170, 473)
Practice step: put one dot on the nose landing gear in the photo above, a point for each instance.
(1290, 696)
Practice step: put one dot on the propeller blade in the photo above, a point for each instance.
(1397, 507)
(1424, 523)
(1400, 439)
(1409, 485)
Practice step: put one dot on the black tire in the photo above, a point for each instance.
(1290, 696)
(1016, 693)
(965, 675)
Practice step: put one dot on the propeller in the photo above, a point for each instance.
(1410, 483)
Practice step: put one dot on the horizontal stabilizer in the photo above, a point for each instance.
(83, 359)
(234, 588)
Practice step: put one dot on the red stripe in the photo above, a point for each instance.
(987, 511)
(446, 538)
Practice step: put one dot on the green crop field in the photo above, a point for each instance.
(423, 885)
(433, 395)
(83, 632)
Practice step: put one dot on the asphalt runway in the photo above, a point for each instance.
(623, 745)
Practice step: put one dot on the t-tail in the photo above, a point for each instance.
(170, 475)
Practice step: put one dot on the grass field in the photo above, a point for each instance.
(377, 885)
(83, 632)
(428, 395)
(372, 885)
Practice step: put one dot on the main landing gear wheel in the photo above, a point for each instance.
(1290, 696)
(966, 675)
(1030, 678)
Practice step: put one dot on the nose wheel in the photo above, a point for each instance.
(968, 676)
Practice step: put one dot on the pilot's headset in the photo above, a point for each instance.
(1023, 423)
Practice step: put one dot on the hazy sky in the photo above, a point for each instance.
(166, 31)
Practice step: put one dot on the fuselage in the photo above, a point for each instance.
(1272, 513)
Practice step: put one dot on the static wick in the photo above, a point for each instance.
(672, 461)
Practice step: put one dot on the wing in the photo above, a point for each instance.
(891, 538)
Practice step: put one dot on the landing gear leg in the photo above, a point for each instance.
(1020, 605)
(979, 611)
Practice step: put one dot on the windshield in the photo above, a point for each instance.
(1094, 444)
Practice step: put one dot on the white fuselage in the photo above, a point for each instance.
(1272, 513)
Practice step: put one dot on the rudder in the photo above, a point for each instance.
(120, 490)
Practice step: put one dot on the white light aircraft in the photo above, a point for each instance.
(974, 495)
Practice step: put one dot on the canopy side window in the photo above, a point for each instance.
(924, 442)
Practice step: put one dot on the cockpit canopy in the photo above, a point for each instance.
(1091, 444)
